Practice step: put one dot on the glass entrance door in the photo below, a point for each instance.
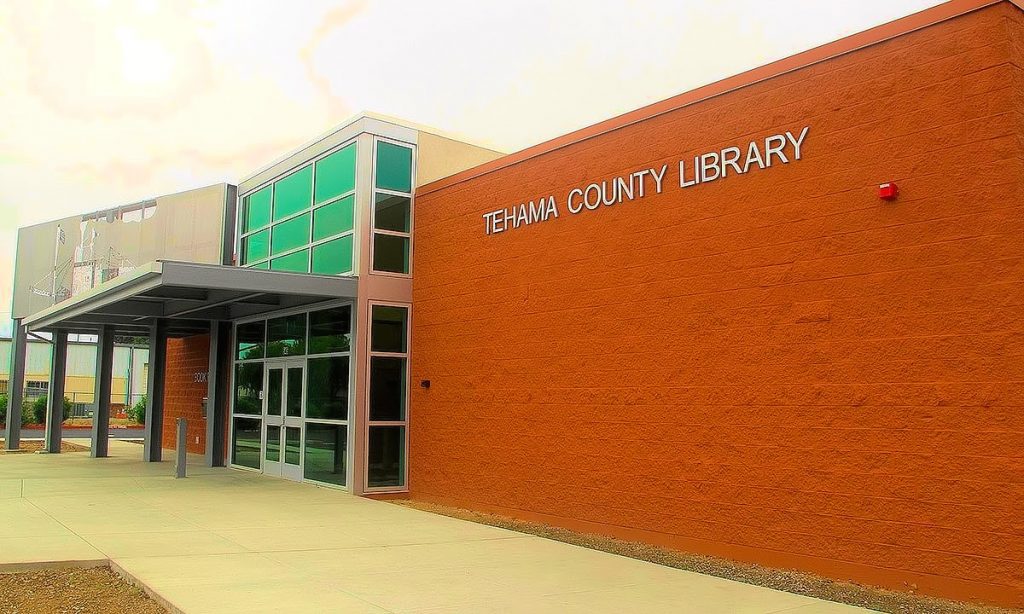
(283, 411)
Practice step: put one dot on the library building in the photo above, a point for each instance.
(777, 319)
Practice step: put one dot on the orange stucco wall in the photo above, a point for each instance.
(183, 394)
(776, 367)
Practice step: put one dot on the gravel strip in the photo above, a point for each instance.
(34, 445)
(72, 591)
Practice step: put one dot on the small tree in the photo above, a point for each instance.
(137, 413)
(3, 408)
(39, 409)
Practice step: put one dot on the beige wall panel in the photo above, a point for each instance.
(35, 260)
(185, 226)
(194, 223)
(439, 157)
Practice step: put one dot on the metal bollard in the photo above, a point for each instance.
(180, 448)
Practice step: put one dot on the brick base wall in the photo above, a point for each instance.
(777, 367)
(183, 396)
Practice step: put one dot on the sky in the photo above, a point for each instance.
(107, 102)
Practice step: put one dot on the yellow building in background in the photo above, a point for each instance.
(128, 385)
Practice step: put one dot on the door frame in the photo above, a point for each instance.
(353, 353)
(283, 421)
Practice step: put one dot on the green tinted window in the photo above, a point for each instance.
(249, 388)
(286, 336)
(333, 219)
(256, 246)
(391, 213)
(326, 446)
(388, 327)
(327, 388)
(390, 253)
(291, 234)
(292, 445)
(330, 330)
(293, 400)
(263, 265)
(394, 167)
(297, 262)
(249, 341)
(387, 388)
(385, 456)
(274, 388)
(293, 193)
(257, 209)
(245, 442)
(333, 257)
(273, 453)
(336, 174)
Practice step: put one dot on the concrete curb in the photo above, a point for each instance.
(155, 596)
(39, 565)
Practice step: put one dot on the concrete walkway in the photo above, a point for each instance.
(231, 541)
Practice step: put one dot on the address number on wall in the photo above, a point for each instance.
(200, 377)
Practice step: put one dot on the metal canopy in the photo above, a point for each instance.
(188, 295)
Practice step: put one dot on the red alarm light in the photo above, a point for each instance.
(888, 191)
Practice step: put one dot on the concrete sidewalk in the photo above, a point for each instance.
(231, 541)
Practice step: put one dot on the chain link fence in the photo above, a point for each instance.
(83, 404)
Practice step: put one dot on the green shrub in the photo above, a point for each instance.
(137, 413)
(39, 409)
(26, 410)
(27, 415)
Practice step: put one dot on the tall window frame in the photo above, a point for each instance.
(311, 243)
(403, 424)
(382, 191)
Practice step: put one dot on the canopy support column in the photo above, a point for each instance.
(101, 394)
(217, 392)
(55, 394)
(153, 446)
(16, 387)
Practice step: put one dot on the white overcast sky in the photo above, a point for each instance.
(106, 102)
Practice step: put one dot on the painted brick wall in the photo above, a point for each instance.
(776, 367)
(184, 395)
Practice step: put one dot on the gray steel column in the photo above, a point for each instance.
(217, 392)
(228, 234)
(153, 447)
(55, 394)
(15, 387)
(101, 392)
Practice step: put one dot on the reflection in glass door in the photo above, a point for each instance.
(282, 413)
